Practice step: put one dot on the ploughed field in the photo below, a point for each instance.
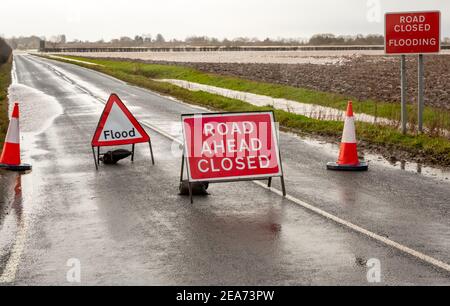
(362, 77)
(360, 74)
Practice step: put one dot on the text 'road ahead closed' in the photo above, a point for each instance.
(231, 146)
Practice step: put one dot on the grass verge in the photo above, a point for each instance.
(435, 150)
(434, 119)
(5, 81)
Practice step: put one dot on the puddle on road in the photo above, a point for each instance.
(308, 110)
(12, 225)
(37, 109)
(37, 112)
(313, 111)
(441, 174)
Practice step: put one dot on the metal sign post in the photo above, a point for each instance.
(421, 100)
(404, 85)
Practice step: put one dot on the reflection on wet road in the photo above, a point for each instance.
(14, 226)
(127, 225)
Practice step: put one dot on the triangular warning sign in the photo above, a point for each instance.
(117, 126)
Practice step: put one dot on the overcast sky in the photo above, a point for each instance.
(106, 19)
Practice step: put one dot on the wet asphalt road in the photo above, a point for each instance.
(127, 225)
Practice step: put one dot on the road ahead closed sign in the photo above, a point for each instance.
(228, 147)
(416, 32)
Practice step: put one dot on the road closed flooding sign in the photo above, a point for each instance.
(231, 147)
(413, 32)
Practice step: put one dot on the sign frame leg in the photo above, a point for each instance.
(283, 186)
(95, 158)
(132, 152)
(191, 196)
(151, 152)
(98, 155)
(190, 193)
(182, 169)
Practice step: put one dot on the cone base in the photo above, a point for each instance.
(18, 168)
(362, 166)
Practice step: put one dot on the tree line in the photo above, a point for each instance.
(159, 40)
(5, 51)
(33, 42)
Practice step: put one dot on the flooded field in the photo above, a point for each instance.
(262, 57)
(356, 74)
(309, 110)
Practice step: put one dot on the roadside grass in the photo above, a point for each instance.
(431, 149)
(436, 120)
(5, 81)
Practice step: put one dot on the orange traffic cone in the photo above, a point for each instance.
(348, 157)
(10, 158)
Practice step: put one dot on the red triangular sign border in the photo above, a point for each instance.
(104, 117)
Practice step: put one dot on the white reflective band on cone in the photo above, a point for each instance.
(13, 135)
(349, 135)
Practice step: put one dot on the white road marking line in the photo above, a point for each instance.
(10, 271)
(159, 131)
(12, 265)
(14, 73)
(363, 231)
(72, 60)
(356, 228)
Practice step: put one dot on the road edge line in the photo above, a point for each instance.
(421, 256)
(356, 228)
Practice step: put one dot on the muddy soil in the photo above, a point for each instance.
(362, 77)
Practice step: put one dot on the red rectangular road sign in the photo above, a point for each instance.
(231, 146)
(413, 32)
